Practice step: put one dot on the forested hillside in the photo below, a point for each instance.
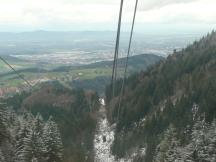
(25, 138)
(72, 110)
(98, 84)
(93, 76)
(170, 109)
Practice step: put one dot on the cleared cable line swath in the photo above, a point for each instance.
(16, 72)
(128, 54)
(114, 70)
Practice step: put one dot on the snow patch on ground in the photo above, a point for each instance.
(103, 140)
(102, 101)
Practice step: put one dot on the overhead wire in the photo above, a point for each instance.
(127, 59)
(114, 70)
(16, 72)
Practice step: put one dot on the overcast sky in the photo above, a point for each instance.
(23, 15)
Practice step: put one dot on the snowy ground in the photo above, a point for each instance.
(104, 138)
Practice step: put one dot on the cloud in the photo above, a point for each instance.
(43, 13)
(152, 4)
(202, 11)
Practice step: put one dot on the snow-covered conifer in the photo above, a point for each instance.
(2, 158)
(211, 140)
(3, 123)
(38, 144)
(167, 150)
(22, 142)
(53, 142)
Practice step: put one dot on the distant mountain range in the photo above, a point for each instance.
(50, 36)
(40, 42)
(136, 63)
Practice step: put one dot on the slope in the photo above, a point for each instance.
(73, 110)
(166, 94)
(85, 76)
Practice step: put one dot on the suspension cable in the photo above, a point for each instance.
(126, 64)
(114, 70)
(16, 72)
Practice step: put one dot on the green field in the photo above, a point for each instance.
(81, 74)
(2, 66)
(35, 73)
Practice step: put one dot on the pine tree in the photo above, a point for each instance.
(38, 144)
(54, 146)
(199, 140)
(30, 145)
(27, 151)
(167, 150)
(184, 154)
(202, 147)
(198, 148)
(161, 150)
(3, 122)
(2, 158)
(172, 153)
(22, 142)
(211, 137)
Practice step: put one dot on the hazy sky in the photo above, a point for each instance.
(21, 15)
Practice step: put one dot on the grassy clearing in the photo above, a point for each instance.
(81, 74)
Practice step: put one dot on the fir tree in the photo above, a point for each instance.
(27, 153)
(54, 146)
(172, 154)
(2, 158)
(167, 150)
(3, 123)
(38, 144)
(22, 142)
(201, 147)
(211, 137)
(199, 140)
(30, 145)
